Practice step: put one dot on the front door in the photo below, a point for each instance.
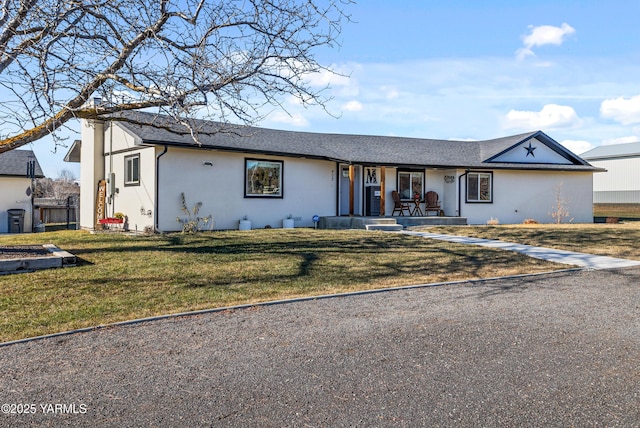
(344, 191)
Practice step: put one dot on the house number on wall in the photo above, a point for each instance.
(449, 179)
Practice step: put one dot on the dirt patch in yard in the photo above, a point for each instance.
(23, 251)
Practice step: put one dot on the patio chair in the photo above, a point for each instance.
(432, 203)
(398, 205)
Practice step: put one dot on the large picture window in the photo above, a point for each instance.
(132, 170)
(410, 183)
(480, 187)
(263, 178)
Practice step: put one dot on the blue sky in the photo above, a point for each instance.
(472, 70)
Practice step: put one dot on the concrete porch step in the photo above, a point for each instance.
(381, 220)
(385, 227)
(363, 222)
(345, 222)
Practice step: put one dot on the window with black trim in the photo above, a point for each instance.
(480, 187)
(263, 178)
(132, 170)
(410, 183)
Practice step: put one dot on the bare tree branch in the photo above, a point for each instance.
(186, 58)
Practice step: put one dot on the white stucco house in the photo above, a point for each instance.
(620, 184)
(148, 160)
(14, 185)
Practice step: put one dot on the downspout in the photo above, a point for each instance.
(112, 185)
(338, 188)
(460, 192)
(157, 204)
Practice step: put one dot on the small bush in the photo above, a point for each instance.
(493, 222)
(530, 221)
(560, 209)
(193, 222)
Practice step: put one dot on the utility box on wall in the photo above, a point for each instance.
(372, 200)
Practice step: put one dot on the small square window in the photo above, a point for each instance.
(480, 187)
(132, 170)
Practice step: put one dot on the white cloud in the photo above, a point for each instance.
(551, 116)
(548, 35)
(522, 53)
(327, 78)
(442, 98)
(352, 106)
(544, 64)
(295, 119)
(462, 139)
(293, 69)
(623, 110)
(576, 146)
(338, 79)
(620, 140)
(544, 35)
(389, 92)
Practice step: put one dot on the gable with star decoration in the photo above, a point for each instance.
(538, 148)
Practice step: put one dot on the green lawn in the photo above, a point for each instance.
(125, 277)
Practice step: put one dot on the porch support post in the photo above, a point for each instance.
(352, 178)
(382, 190)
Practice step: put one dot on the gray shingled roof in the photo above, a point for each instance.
(613, 151)
(14, 163)
(363, 149)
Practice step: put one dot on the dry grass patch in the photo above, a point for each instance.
(122, 277)
(617, 210)
(615, 240)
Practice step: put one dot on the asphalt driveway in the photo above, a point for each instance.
(554, 350)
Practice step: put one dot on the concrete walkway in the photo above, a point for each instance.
(550, 254)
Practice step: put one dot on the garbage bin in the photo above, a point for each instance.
(16, 220)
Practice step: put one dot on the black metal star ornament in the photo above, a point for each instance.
(530, 150)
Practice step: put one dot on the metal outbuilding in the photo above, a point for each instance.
(620, 184)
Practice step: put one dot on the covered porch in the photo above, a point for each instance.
(370, 191)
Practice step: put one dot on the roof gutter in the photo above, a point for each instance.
(243, 150)
(155, 211)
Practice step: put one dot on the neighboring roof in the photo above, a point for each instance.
(14, 163)
(73, 154)
(148, 128)
(613, 151)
